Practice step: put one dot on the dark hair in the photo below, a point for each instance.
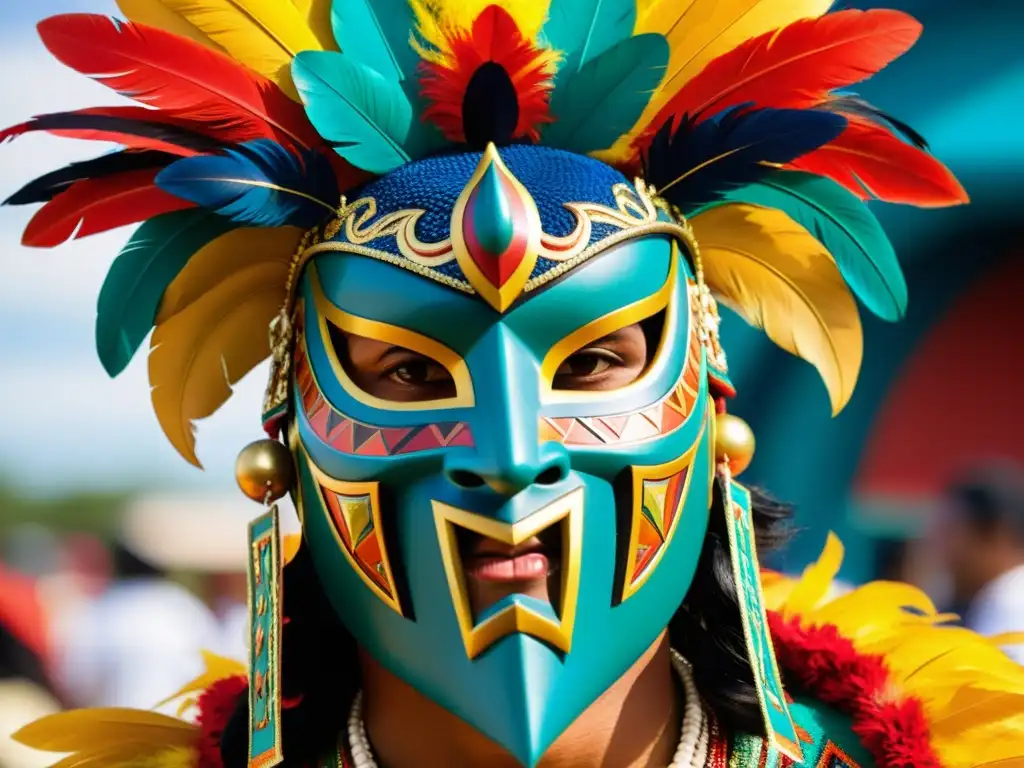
(319, 654)
(991, 499)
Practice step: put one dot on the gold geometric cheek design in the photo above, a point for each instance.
(567, 513)
(658, 495)
(396, 336)
(353, 510)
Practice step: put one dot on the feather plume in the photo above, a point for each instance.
(201, 352)
(971, 694)
(215, 669)
(776, 276)
(853, 107)
(50, 185)
(603, 99)
(153, 13)
(317, 15)
(132, 127)
(439, 21)
(377, 33)
(698, 32)
(367, 118)
(186, 81)
(217, 261)
(584, 29)
(98, 205)
(490, 108)
(140, 274)
(871, 162)
(259, 183)
(797, 66)
(701, 161)
(86, 729)
(845, 226)
(264, 35)
(493, 38)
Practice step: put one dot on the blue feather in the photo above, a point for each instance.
(259, 183)
(584, 29)
(844, 225)
(140, 274)
(699, 162)
(377, 33)
(367, 117)
(601, 101)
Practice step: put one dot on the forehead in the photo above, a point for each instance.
(499, 226)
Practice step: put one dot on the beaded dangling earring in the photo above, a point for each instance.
(734, 449)
(265, 472)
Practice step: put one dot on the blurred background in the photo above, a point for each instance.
(118, 561)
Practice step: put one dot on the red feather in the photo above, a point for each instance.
(795, 67)
(179, 76)
(496, 37)
(123, 137)
(873, 163)
(97, 205)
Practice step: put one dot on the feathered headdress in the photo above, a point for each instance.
(734, 110)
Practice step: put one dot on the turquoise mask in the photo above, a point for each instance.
(468, 260)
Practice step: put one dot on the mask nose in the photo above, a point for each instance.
(548, 465)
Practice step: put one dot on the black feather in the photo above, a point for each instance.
(47, 187)
(150, 129)
(699, 161)
(857, 107)
(490, 107)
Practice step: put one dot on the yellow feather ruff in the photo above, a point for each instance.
(971, 692)
(438, 20)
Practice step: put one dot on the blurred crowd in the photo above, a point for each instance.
(86, 622)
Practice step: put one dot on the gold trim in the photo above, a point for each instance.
(618, 319)
(370, 489)
(566, 511)
(500, 297)
(390, 334)
(659, 472)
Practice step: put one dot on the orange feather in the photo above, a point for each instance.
(796, 66)
(873, 163)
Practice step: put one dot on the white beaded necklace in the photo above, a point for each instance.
(694, 737)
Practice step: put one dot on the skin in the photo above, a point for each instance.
(635, 723)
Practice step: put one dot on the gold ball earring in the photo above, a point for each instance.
(265, 470)
(734, 442)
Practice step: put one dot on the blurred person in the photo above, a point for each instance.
(497, 390)
(979, 537)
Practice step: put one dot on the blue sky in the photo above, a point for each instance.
(66, 424)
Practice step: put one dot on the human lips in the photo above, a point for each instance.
(492, 562)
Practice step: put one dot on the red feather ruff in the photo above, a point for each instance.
(820, 662)
(98, 205)
(873, 163)
(179, 76)
(216, 706)
(494, 37)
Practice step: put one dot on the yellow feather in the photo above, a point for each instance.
(154, 14)
(223, 258)
(97, 729)
(317, 14)
(264, 35)
(817, 579)
(217, 668)
(698, 32)
(199, 353)
(290, 547)
(437, 19)
(778, 277)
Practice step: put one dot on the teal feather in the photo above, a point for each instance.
(601, 101)
(366, 117)
(135, 284)
(583, 29)
(377, 33)
(845, 226)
